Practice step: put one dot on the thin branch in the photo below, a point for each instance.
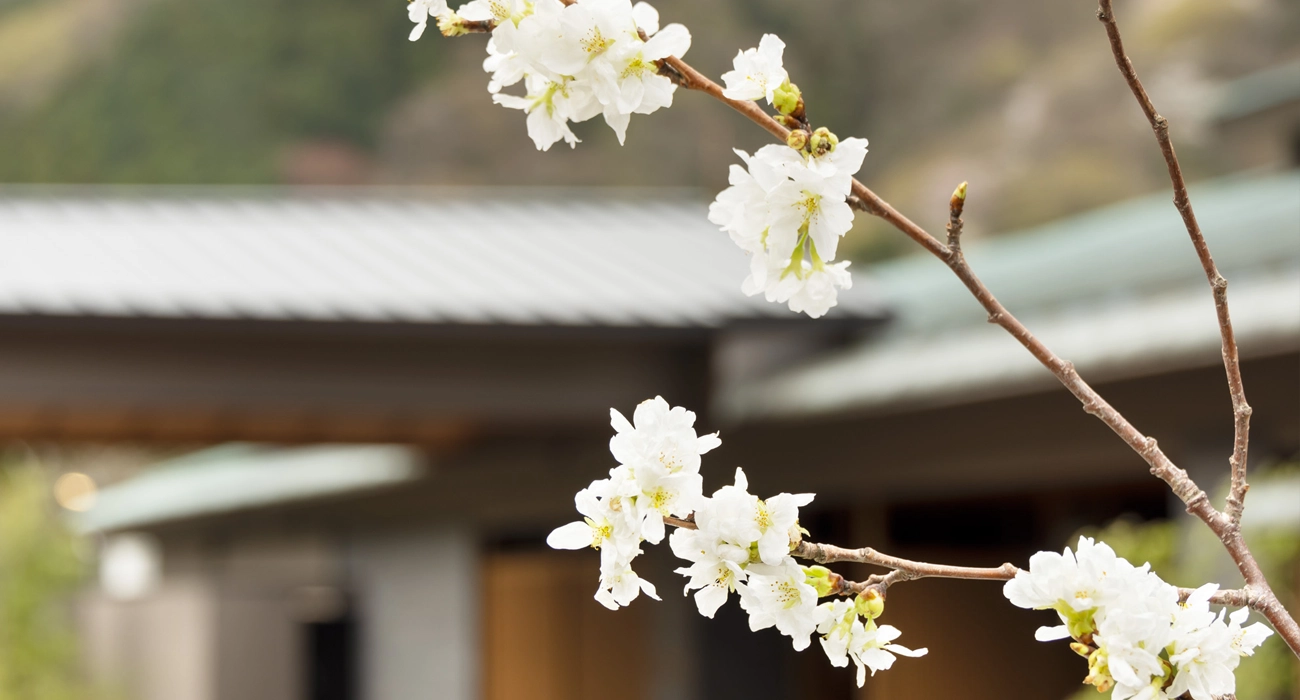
(1228, 525)
(1218, 285)
(909, 570)
(829, 554)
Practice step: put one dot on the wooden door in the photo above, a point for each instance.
(545, 638)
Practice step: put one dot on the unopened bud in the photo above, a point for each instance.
(797, 139)
(821, 579)
(958, 200)
(1081, 649)
(823, 141)
(1103, 683)
(870, 603)
(788, 100)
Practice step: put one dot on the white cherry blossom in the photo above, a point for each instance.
(779, 596)
(620, 585)
(845, 636)
(839, 625)
(874, 649)
(606, 525)
(777, 519)
(421, 10)
(788, 210)
(1131, 644)
(500, 11)
(716, 568)
(1246, 639)
(658, 494)
(551, 105)
(588, 31)
(1143, 643)
(660, 437)
(636, 86)
(811, 207)
(757, 72)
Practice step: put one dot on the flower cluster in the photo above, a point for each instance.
(739, 544)
(845, 636)
(658, 475)
(595, 57)
(787, 207)
(1129, 624)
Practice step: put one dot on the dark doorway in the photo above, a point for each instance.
(331, 659)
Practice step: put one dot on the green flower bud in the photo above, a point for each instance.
(1099, 672)
(788, 100)
(870, 604)
(823, 141)
(1080, 625)
(959, 194)
(820, 578)
(797, 139)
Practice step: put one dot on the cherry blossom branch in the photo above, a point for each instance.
(1219, 286)
(910, 570)
(1196, 500)
(1225, 526)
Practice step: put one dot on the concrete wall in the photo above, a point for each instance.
(418, 610)
(159, 648)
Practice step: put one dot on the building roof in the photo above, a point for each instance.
(1117, 291)
(240, 476)
(530, 257)
(1259, 91)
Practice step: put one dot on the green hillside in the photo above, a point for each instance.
(212, 90)
(1020, 97)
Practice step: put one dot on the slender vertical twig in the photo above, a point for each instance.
(1218, 285)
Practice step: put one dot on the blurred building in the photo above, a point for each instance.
(491, 340)
(406, 393)
(1258, 118)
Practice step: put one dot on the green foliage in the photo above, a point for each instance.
(41, 564)
(212, 90)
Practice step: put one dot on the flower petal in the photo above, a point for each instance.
(575, 535)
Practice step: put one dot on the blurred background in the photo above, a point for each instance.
(304, 348)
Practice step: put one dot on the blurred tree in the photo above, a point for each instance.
(40, 567)
(216, 90)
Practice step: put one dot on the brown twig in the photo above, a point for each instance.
(908, 570)
(829, 554)
(1218, 285)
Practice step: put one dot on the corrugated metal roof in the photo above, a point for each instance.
(1118, 291)
(467, 257)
